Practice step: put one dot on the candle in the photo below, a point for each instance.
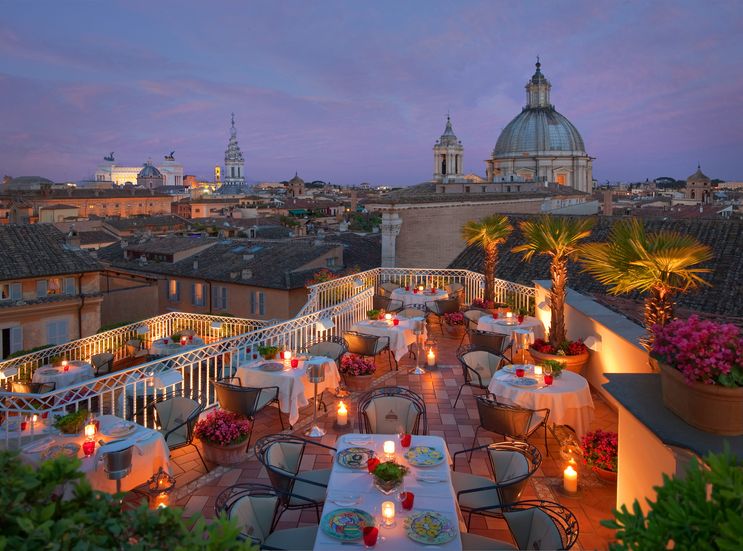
(90, 430)
(388, 513)
(431, 358)
(538, 370)
(64, 363)
(570, 480)
(161, 500)
(389, 449)
(342, 414)
(287, 354)
(509, 315)
(388, 317)
(34, 419)
(184, 340)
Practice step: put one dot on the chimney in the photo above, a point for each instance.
(246, 274)
(123, 243)
(608, 202)
(72, 239)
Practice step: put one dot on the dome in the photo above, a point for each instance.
(296, 180)
(540, 129)
(698, 176)
(149, 171)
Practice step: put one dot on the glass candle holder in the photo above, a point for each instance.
(88, 447)
(388, 513)
(389, 449)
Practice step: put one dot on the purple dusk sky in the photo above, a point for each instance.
(358, 91)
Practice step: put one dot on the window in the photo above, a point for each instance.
(466, 189)
(560, 178)
(197, 294)
(69, 286)
(330, 262)
(56, 332)
(11, 340)
(219, 298)
(11, 291)
(42, 288)
(261, 304)
(174, 290)
(257, 303)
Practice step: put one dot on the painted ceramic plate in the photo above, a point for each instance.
(119, 429)
(523, 381)
(68, 450)
(346, 524)
(272, 366)
(512, 368)
(424, 456)
(354, 458)
(430, 528)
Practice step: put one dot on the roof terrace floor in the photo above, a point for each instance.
(196, 491)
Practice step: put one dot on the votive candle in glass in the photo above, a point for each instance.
(388, 513)
(389, 449)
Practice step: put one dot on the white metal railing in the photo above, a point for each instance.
(115, 340)
(331, 292)
(125, 392)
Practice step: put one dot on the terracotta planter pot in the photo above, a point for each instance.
(603, 474)
(356, 383)
(711, 408)
(225, 455)
(571, 363)
(453, 330)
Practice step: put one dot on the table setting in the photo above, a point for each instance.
(67, 373)
(400, 332)
(416, 297)
(168, 346)
(394, 489)
(566, 394)
(506, 325)
(101, 435)
(289, 375)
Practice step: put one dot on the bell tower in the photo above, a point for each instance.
(448, 156)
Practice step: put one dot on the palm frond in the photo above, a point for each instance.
(555, 236)
(493, 229)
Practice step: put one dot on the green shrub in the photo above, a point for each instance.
(703, 511)
(32, 518)
(28, 351)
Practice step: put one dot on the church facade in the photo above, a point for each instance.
(233, 175)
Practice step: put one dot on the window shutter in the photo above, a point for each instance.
(16, 339)
(224, 298)
(16, 291)
(41, 288)
(69, 286)
(261, 303)
(63, 331)
(177, 290)
(252, 302)
(193, 294)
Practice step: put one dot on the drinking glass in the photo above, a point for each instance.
(371, 533)
(548, 377)
(519, 371)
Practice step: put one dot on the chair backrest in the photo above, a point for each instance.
(188, 333)
(32, 388)
(381, 302)
(513, 463)
(390, 410)
(486, 340)
(471, 317)
(281, 455)
(133, 346)
(484, 362)
(332, 349)
(242, 400)
(181, 412)
(252, 506)
(359, 343)
(102, 362)
(408, 313)
(388, 286)
(537, 524)
(506, 419)
(452, 288)
(444, 306)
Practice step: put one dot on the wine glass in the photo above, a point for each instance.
(547, 373)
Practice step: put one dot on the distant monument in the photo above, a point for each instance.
(170, 157)
(110, 157)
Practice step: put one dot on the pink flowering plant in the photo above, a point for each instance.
(704, 351)
(223, 428)
(454, 318)
(481, 303)
(353, 364)
(600, 449)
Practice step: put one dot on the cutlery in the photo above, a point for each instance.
(430, 479)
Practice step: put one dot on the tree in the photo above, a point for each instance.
(33, 517)
(558, 238)
(660, 264)
(489, 232)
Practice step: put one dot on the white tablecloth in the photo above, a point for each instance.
(438, 496)
(78, 372)
(417, 300)
(401, 336)
(294, 388)
(159, 348)
(530, 324)
(155, 454)
(568, 398)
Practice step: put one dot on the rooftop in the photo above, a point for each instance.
(426, 193)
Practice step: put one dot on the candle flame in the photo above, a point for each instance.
(342, 407)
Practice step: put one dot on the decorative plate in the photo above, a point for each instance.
(119, 429)
(67, 450)
(346, 524)
(429, 527)
(424, 456)
(354, 458)
(511, 368)
(272, 366)
(523, 381)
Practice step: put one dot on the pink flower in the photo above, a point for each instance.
(600, 449)
(223, 428)
(353, 364)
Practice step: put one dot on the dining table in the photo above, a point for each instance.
(77, 371)
(414, 298)
(431, 485)
(168, 347)
(401, 336)
(294, 387)
(568, 398)
(149, 454)
(506, 326)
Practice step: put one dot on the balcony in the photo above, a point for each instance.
(332, 308)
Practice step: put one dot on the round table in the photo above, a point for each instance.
(77, 372)
(500, 326)
(417, 300)
(161, 348)
(568, 398)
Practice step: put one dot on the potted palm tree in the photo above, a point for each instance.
(489, 232)
(660, 264)
(558, 238)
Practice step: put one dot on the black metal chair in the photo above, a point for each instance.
(332, 347)
(246, 400)
(511, 465)
(102, 363)
(455, 290)
(408, 313)
(381, 302)
(441, 307)
(388, 287)
(363, 344)
(391, 410)
(176, 416)
(493, 342)
(26, 387)
(471, 317)
(478, 367)
(281, 455)
(254, 507)
(511, 421)
(541, 524)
